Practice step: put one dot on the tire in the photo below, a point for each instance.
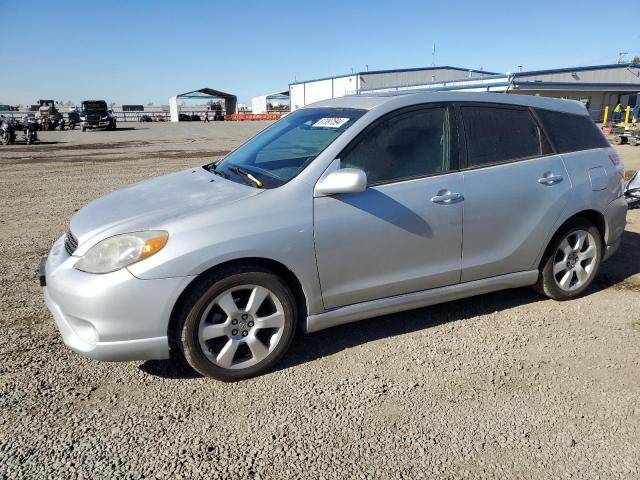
(617, 140)
(633, 141)
(239, 347)
(575, 262)
(84, 129)
(5, 139)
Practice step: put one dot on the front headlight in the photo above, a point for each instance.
(106, 117)
(83, 117)
(120, 251)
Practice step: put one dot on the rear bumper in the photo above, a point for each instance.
(616, 219)
(112, 317)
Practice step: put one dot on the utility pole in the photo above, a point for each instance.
(433, 55)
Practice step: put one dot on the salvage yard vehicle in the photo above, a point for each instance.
(7, 131)
(30, 129)
(632, 191)
(48, 116)
(343, 210)
(95, 114)
(74, 118)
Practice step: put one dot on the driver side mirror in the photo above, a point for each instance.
(346, 180)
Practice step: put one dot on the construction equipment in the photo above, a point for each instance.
(48, 116)
(619, 135)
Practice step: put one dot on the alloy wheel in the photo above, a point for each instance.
(575, 260)
(241, 326)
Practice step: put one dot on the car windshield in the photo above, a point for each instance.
(94, 106)
(280, 152)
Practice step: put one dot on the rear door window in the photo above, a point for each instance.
(496, 134)
(571, 133)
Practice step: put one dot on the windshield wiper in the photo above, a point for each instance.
(213, 169)
(239, 171)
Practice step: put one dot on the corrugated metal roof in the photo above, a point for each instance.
(397, 70)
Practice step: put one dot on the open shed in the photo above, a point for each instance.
(278, 101)
(204, 94)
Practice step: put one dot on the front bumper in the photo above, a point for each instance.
(112, 317)
(100, 124)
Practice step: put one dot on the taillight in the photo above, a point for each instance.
(615, 158)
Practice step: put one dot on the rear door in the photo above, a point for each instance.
(515, 190)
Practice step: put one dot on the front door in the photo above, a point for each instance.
(404, 233)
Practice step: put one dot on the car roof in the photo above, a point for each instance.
(403, 98)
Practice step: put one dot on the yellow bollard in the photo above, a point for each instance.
(606, 114)
(626, 115)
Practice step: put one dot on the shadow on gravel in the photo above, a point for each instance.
(618, 270)
(307, 348)
(174, 368)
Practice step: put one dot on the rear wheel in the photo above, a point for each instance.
(571, 262)
(237, 324)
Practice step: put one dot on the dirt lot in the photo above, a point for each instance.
(506, 385)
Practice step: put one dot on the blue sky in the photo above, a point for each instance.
(146, 51)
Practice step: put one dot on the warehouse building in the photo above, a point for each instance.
(596, 86)
(304, 93)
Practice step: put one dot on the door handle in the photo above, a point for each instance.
(550, 179)
(447, 198)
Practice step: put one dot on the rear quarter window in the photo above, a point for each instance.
(571, 133)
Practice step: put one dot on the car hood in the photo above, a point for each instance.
(153, 203)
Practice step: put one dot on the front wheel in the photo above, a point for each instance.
(571, 262)
(237, 324)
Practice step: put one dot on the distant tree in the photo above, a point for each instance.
(112, 104)
(636, 60)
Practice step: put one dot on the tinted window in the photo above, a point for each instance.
(404, 145)
(496, 134)
(570, 133)
(97, 105)
(280, 152)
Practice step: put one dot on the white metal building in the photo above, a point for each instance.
(304, 93)
(596, 86)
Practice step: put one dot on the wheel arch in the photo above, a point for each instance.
(276, 267)
(593, 216)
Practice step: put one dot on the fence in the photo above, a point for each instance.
(120, 116)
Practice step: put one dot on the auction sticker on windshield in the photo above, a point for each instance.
(330, 122)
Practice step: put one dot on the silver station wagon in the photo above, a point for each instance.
(343, 210)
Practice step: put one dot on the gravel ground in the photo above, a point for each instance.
(506, 385)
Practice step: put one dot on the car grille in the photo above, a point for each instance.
(93, 118)
(70, 243)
